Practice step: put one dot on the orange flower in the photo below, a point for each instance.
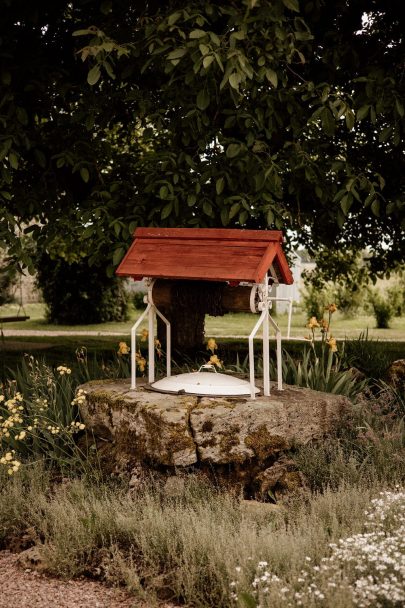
(123, 348)
(332, 344)
(324, 325)
(215, 361)
(212, 345)
(140, 361)
(331, 308)
(144, 335)
(312, 323)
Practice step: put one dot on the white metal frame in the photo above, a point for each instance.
(151, 311)
(265, 319)
(263, 306)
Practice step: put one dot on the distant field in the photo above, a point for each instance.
(239, 324)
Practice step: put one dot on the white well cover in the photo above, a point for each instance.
(204, 383)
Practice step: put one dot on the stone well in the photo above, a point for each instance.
(235, 438)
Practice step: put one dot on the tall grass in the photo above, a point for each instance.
(186, 548)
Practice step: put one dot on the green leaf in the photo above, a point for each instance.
(197, 34)
(163, 192)
(6, 195)
(239, 35)
(270, 217)
(384, 135)
(220, 185)
(171, 20)
(224, 216)
(233, 150)
(207, 61)
(94, 75)
(203, 99)
(13, 160)
(243, 216)
(345, 203)
(118, 255)
(177, 53)
(234, 210)
(207, 208)
(166, 211)
(375, 207)
(234, 80)
(82, 32)
(362, 112)
(399, 107)
(215, 39)
(85, 175)
(22, 116)
(204, 49)
(191, 200)
(272, 77)
(328, 122)
(349, 117)
(292, 5)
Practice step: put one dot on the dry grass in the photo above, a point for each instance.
(186, 547)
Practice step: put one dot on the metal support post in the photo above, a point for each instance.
(150, 311)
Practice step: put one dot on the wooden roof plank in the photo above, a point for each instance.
(265, 262)
(204, 254)
(210, 233)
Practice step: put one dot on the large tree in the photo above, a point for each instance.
(202, 113)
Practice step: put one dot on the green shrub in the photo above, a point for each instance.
(314, 300)
(349, 299)
(8, 278)
(367, 355)
(137, 299)
(396, 296)
(77, 294)
(382, 309)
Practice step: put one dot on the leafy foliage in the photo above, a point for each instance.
(247, 114)
(77, 294)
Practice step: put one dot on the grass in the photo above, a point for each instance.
(185, 548)
(231, 324)
(197, 544)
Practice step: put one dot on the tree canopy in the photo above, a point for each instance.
(257, 114)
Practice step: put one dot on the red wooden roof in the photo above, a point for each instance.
(206, 254)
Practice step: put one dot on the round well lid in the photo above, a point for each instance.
(204, 383)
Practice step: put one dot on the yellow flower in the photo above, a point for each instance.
(144, 335)
(324, 325)
(332, 344)
(312, 323)
(123, 348)
(212, 345)
(331, 308)
(62, 369)
(215, 361)
(140, 361)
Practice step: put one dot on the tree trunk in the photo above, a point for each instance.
(185, 306)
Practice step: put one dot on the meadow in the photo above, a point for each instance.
(230, 325)
(337, 542)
